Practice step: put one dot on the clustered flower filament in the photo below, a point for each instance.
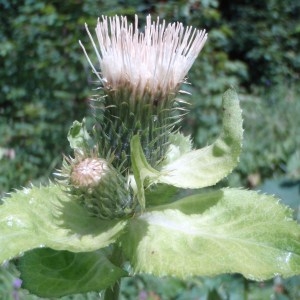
(153, 61)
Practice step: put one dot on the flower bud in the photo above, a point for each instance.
(98, 186)
(88, 172)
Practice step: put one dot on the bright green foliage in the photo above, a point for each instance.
(49, 273)
(47, 217)
(230, 230)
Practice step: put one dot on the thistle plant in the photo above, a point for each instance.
(114, 209)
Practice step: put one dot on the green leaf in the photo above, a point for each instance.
(197, 168)
(179, 145)
(141, 169)
(228, 231)
(160, 194)
(206, 166)
(49, 273)
(78, 136)
(47, 217)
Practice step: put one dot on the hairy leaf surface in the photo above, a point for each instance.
(227, 231)
(47, 217)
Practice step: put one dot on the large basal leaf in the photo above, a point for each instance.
(227, 231)
(47, 217)
(197, 168)
(49, 273)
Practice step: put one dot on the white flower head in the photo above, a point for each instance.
(155, 60)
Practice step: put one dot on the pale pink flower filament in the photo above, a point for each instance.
(157, 59)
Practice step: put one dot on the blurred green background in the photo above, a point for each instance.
(46, 82)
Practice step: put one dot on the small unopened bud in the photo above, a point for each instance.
(88, 173)
(98, 186)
